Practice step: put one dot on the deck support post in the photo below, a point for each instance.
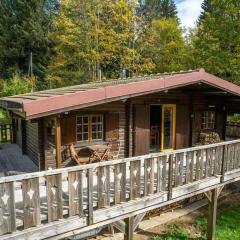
(212, 213)
(129, 230)
(58, 142)
(131, 224)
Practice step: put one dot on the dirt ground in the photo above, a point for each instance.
(186, 222)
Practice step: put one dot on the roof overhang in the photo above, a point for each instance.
(46, 106)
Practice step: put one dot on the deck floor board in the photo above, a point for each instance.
(13, 162)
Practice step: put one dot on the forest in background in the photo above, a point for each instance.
(78, 41)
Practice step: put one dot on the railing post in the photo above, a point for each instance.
(170, 176)
(223, 163)
(58, 142)
(90, 195)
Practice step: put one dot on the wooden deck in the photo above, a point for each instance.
(13, 162)
(62, 202)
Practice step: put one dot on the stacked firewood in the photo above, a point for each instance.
(209, 138)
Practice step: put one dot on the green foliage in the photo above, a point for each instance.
(201, 224)
(174, 232)
(93, 36)
(228, 224)
(217, 42)
(228, 227)
(16, 85)
(72, 40)
(234, 118)
(164, 46)
(24, 28)
(157, 9)
(207, 8)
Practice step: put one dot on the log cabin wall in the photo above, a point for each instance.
(18, 132)
(202, 104)
(49, 144)
(41, 143)
(114, 127)
(182, 116)
(141, 129)
(186, 134)
(14, 131)
(32, 142)
(182, 126)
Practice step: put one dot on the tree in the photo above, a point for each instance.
(24, 28)
(164, 46)
(91, 37)
(217, 42)
(16, 85)
(206, 7)
(156, 9)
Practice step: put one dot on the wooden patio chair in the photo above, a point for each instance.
(114, 149)
(79, 159)
(154, 132)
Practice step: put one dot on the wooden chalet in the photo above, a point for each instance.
(146, 114)
(172, 146)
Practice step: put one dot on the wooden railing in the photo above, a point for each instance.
(233, 130)
(51, 203)
(5, 133)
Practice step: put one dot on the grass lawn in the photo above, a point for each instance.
(228, 227)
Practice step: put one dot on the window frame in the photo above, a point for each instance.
(208, 123)
(99, 123)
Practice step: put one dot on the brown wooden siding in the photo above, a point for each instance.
(14, 131)
(178, 98)
(41, 143)
(182, 126)
(127, 128)
(112, 126)
(141, 129)
(219, 126)
(68, 129)
(24, 136)
(187, 107)
(202, 104)
(130, 129)
(220, 121)
(32, 142)
(18, 133)
(116, 109)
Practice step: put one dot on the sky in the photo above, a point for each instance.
(188, 11)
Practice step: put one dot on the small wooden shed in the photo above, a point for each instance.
(146, 114)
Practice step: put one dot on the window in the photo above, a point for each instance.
(89, 128)
(208, 120)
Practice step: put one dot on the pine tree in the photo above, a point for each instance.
(217, 42)
(206, 7)
(156, 9)
(24, 27)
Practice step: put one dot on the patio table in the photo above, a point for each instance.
(99, 151)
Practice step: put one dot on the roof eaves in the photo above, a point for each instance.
(11, 105)
(103, 101)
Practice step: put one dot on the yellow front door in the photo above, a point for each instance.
(168, 141)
